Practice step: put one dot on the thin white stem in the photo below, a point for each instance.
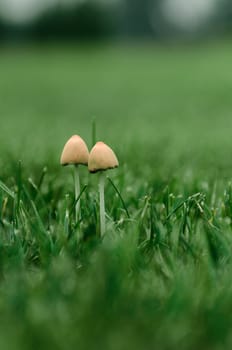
(77, 191)
(102, 202)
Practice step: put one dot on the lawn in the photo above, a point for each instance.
(160, 278)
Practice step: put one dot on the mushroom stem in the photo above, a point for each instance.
(77, 191)
(102, 203)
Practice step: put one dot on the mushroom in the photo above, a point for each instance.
(75, 152)
(102, 158)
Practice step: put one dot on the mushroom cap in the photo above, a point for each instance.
(75, 152)
(102, 157)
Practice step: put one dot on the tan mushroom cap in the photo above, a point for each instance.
(75, 152)
(102, 157)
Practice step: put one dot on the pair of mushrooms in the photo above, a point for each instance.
(100, 158)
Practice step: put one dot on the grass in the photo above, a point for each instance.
(160, 277)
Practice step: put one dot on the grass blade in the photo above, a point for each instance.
(119, 194)
(94, 131)
(7, 190)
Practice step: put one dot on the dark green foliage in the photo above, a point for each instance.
(84, 21)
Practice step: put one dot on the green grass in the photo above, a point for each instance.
(161, 276)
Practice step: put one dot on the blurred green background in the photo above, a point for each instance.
(177, 99)
(153, 73)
